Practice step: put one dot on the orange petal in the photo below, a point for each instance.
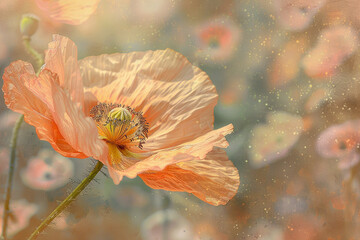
(61, 58)
(48, 108)
(68, 11)
(23, 94)
(78, 130)
(214, 179)
(194, 150)
(176, 97)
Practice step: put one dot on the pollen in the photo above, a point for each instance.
(120, 125)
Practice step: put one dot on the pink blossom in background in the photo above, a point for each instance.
(335, 44)
(166, 225)
(72, 12)
(273, 140)
(341, 141)
(217, 39)
(21, 213)
(296, 15)
(47, 171)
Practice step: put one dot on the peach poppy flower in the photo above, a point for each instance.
(72, 12)
(107, 106)
(341, 141)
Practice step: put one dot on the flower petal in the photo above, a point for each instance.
(193, 150)
(214, 179)
(30, 95)
(78, 130)
(61, 58)
(176, 97)
(68, 11)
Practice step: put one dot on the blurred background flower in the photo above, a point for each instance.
(274, 140)
(21, 213)
(47, 171)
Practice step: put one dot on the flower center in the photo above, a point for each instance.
(120, 125)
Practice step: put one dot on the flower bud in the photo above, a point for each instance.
(29, 24)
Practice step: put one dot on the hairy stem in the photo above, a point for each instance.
(10, 176)
(64, 204)
(33, 53)
(39, 62)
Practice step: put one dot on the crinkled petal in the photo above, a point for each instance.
(78, 130)
(214, 179)
(193, 150)
(61, 58)
(177, 98)
(30, 95)
(72, 12)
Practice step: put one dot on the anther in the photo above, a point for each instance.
(120, 124)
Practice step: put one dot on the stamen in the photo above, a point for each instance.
(120, 124)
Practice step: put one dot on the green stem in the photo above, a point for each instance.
(33, 53)
(67, 201)
(10, 176)
(39, 62)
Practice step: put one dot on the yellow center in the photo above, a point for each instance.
(123, 129)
